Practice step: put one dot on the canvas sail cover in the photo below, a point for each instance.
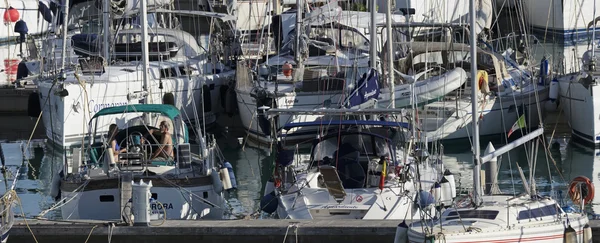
(367, 88)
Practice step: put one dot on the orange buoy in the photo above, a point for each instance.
(11, 15)
(287, 69)
(581, 187)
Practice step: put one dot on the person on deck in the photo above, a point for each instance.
(112, 133)
(165, 149)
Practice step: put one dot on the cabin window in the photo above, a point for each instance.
(183, 70)
(352, 39)
(324, 34)
(107, 198)
(476, 214)
(168, 72)
(537, 212)
(368, 147)
(154, 196)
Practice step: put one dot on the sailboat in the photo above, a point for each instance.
(327, 68)
(355, 173)
(356, 169)
(490, 218)
(97, 180)
(575, 94)
(507, 92)
(101, 71)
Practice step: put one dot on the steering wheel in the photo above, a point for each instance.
(136, 143)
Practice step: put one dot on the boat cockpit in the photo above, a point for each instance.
(138, 143)
(358, 157)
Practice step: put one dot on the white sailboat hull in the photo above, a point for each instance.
(361, 203)
(306, 199)
(547, 233)
(566, 20)
(66, 118)
(501, 218)
(105, 204)
(426, 91)
(497, 116)
(581, 106)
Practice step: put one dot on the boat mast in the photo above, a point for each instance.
(474, 117)
(299, 72)
(390, 50)
(65, 28)
(145, 61)
(106, 26)
(373, 36)
(594, 34)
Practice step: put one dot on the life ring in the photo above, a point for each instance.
(586, 192)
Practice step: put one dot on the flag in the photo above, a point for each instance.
(520, 123)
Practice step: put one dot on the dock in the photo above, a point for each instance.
(217, 231)
(209, 231)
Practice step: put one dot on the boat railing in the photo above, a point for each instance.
(132, 161)
(513, 41)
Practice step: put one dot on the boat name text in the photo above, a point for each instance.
(158, 206)
(340, 207)
(93, 107)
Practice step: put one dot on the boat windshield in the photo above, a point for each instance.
(342, 36)
(472, 214)
(367, 145)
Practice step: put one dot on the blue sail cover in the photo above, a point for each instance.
(367, 88)
(291, 125)
(44, 9)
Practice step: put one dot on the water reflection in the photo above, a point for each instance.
(252, 166)
(555, 168)
(580, 160)
(28, 187)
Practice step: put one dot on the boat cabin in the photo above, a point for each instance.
(139, 137)
(357, 154)
(503, 210)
